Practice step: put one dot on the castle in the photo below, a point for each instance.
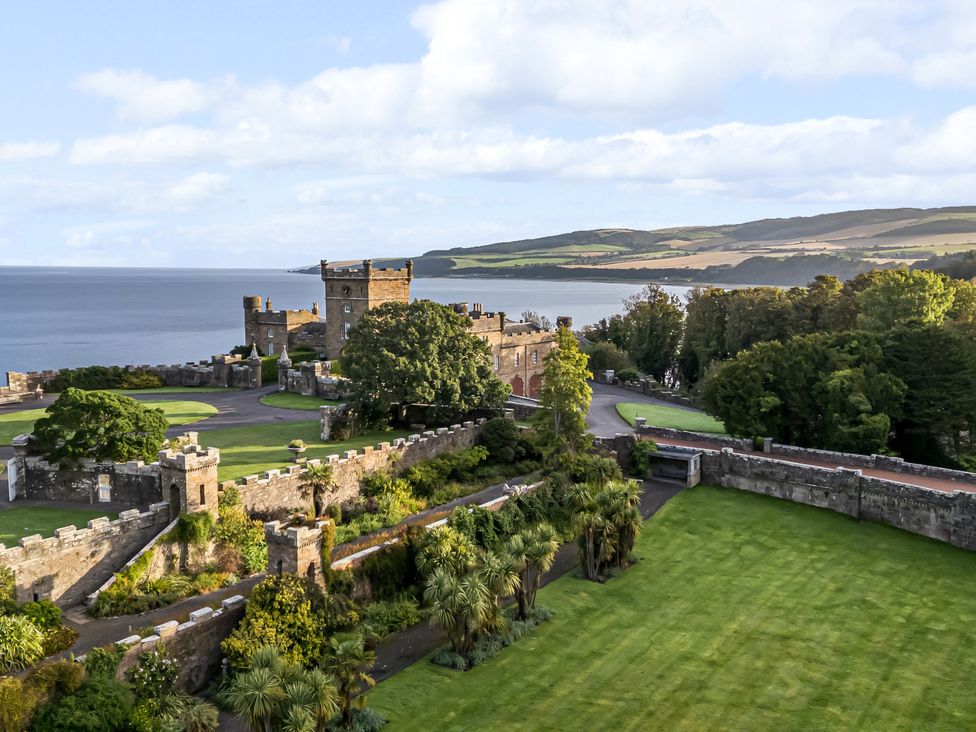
(518, 347)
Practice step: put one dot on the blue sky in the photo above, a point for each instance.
(278, 133)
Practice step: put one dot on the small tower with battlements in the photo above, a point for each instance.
(351, 291)
(189, 478)
(296, 550)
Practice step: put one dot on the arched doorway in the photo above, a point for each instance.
(518, 386)
(535, 385)
(174, 501)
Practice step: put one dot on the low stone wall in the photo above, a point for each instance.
(196, 643)
(651, 388)
(75, 562)
(279, 489)
(673, 434)
(129, 484)
(948, 517)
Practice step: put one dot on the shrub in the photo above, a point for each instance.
(501, 438)
(236, 529)
(139, 379)
(192, 528)
(385, 617)
(102, 704)
(605, 355)
(87, 378)
(628, 375)
(643, 457)
(427, 476)
(8, 590)
(21, 643)
(58, 639)
(391, 570)
(154, 674)
(362, 720)
(297, 443)
(104, 661)
(18, 700)
(44, 613)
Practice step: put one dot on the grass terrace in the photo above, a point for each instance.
(745, 612)
(288, 400)
(255, 449)
(16, 523)
(673, 417)
(177, 413)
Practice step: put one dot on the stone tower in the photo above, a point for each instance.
(350, 292)
(189, 479)
(296, 550)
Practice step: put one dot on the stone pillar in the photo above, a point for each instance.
(327, 414)
(254, 367)
(284, 364)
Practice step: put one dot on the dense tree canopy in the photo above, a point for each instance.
(900, 296)
(653, 322)
(565, 393)
(822, 390)
(101, 426)
(421, 353)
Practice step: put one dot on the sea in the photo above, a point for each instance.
(56, 317)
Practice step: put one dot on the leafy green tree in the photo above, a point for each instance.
(654, 323)
(284, 611)
(607, 521)
(704, 338)
(756, 314)
(348, 661)
(898, 297)
(609, 330)
(565, 395)
(315, 483)
(822, 390)
(420, 353)
(605, 355)
(101, 426)
(963, 311)
(101, 704)
(814, 306)
(938, 367)
(461, 603)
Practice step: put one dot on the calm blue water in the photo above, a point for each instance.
(65, 317)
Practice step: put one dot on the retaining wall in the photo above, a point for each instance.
(75, 562)
(277, 489)
(948, 517)
(133, 483)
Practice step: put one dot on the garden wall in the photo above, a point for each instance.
(74, 562)
(129, 484)
(279, 489)
(196, 642)
(948, 517)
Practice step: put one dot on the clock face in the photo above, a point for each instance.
(346, 291)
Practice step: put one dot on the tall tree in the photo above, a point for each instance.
(532, 552)
(901, 296)
(348, 661)
(654, 321)
(315, 483)
(420, 353)
(565, 395)
(815, 304)
(704, 338)
(100, 426)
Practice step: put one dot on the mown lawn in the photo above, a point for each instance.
(16, 523)
(255, 449)
(745, 612)
(673, 417)
(288, 400)
(176, 390)
(177, 413)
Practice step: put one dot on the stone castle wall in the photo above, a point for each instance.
(948, 517)
(130, 484)
(74, 562)
(277, 489)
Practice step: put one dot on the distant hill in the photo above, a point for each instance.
(769, 251)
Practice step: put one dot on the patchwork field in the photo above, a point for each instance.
(673, 417)
(177, 413)
(257, 448)
(16, 523)
(744, 612)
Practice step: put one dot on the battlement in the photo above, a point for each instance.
(191, 457)
(293, 536)
(101, 527)
(366, 271)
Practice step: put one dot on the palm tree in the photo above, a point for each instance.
(187, 713)
(349, 661)
(461, 603)
(619, 505)
(446, 547)
(532, 552)
(256, 695)
(324, 701)
(501, 577)
(315, 482)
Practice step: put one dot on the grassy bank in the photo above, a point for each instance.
(674, 417)
(744, 612)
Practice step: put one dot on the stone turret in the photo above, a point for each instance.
(254, 366)
(189, 478)
(295, 549)
(284, 365)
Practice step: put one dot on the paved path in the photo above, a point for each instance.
(939, 484)
(603, 419)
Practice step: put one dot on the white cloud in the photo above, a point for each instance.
(12, 152)
(197, 188)
(143, 97)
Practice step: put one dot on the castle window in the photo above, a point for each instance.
(203, 495)
(270, 333)
(496, 362)
(344, 333)
(347, 308)
(516, 359)
(535, 358)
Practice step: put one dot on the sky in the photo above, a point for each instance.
(255, 133)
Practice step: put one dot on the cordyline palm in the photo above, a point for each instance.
(447, 548)
(315, 482)
(257, 696)
(532, 552)
(501, 577)
(461, 604)
(348, 661)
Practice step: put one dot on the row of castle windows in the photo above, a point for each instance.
(533, 357)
